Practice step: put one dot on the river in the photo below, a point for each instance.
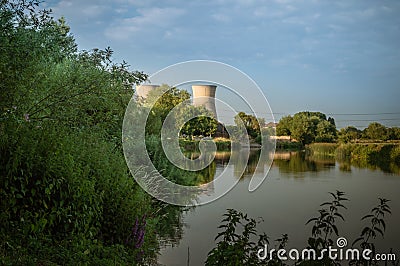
(291, 194)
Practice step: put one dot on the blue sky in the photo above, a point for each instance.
(337, 57)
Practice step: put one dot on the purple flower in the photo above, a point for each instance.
(138, 232)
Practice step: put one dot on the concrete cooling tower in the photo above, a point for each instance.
(204, 95)
(143, 90)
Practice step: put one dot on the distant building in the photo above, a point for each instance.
(204, 95)
(271, 124)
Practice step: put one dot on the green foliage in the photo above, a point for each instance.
(325, 132)
(377, 226)
(67, 195)
(236, 244)
(324, 225)
(384, 156)
(284, 145)
(284, 126)
(67, 185)
(203, 124)
(394, 133)
(164, 99)
(170, 171)
(193, 145)
(308, 127)
(234, 248)
(325, 149)
(349, 134)
(251, 124)
(376, 131)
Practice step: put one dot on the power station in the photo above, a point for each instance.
(204, 95)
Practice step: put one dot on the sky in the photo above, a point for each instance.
(336, 57)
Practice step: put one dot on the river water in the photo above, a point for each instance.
(291, 194)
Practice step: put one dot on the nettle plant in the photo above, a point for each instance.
(239, 242)
(236, 248)
(369, 233)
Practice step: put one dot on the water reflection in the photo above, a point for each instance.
(284, 194)
(295, 162)
(286, 162)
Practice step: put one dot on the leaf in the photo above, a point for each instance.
(365, 230)
(338, 214)
(367, 216)
(379, 230)
(312, 219)
(383, 224)
(335, 229)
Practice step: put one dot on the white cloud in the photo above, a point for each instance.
(80, 10)
(220, 17)
(148, 18)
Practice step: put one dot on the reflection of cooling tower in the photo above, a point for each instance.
(143, 90)
(204, 95)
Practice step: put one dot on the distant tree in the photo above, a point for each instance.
(284, 125)
(202, 125)
(394, 133)
(250, 122)
(303, 128)
(325, 132)
(307, 127)
(376, 131)
(332, 121)
(349, 134)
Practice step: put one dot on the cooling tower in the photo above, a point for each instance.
(143, 90)
(204, 95)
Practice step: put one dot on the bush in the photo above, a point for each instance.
(60, 184)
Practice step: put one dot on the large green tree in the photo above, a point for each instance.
(308, 127)
(376, 131)
(284, 126)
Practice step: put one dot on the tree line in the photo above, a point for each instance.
(308, 127)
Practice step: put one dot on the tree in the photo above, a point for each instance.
(307, 127)
(394, 133)
(349, 134)
(332, 121)
(163, 99)
(303, 128)
(325, 132)
(203, 124)
(284, 126)
(250, 122)
(376, 131)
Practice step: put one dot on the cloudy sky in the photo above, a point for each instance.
(337, 57)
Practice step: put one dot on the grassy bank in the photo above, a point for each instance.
(386, 156)
(193, 145)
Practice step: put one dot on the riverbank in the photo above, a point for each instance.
(386, 156)
(224, 144)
